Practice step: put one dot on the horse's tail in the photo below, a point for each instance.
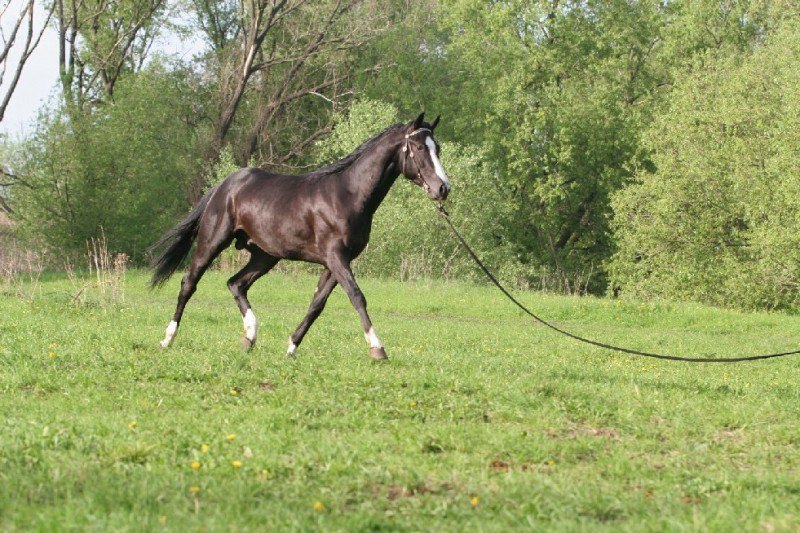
(177, 242)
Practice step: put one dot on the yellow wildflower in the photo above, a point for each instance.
(236, 464)
(132, 424)
(194, 490)
(231, 437)
(319, 506)
(203, 448)
(195, 465)
(474, 501)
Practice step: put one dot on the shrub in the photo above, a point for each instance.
(719, 219)
(123, 168)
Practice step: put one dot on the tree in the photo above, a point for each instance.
(99, 41)
(267, 85)
(287, 64)
(557, 93)
(717, 219)
(122, 169)
(16, 50)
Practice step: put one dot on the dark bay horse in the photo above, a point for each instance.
(322, 217)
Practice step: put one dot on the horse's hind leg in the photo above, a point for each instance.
(260, 263)
(326, 284)
(208, 247)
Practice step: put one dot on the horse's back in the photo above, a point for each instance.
(258, 183)
(253, 176)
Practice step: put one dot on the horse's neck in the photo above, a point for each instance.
(374, 174)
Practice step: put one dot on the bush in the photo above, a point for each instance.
(123, 168)
(719, 219)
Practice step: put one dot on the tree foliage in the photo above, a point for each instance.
(281, 68)
(718, 219)
(109, 170)
(553, 94)
(560, 95)
(101, 41)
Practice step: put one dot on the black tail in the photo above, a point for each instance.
(178, 242)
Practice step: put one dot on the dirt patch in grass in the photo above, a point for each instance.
(578, 432)
(728, 435)
(396, 492)
(500, 466)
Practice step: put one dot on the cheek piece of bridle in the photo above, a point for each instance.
(408, 153)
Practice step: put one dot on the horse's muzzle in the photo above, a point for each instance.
(444, 190)
(440, 195)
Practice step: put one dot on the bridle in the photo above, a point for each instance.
(408, 153)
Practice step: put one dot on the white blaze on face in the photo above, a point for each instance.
(169, 334)
(250, 325)
(437, 165)
(372, 339)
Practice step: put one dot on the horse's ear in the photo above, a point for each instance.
(419, 120)
(435, 122)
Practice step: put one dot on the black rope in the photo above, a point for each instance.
(493, 279)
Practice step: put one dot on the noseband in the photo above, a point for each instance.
(408, 153)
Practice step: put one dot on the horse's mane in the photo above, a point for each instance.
(346, 161)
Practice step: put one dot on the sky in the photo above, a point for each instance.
(39, 80)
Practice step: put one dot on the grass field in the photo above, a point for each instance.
(480, 420)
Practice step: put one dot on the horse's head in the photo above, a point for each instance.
(419, 158)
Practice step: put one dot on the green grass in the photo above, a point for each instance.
(480, 420)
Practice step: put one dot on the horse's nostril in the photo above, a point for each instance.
(443, 190)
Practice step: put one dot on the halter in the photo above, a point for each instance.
(407, 149)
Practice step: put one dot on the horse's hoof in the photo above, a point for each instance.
(379, 354)
(247, 344)
(291, 349)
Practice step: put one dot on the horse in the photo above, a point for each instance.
(323, 217)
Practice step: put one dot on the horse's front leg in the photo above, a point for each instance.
(326, 284)
(339, 265)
